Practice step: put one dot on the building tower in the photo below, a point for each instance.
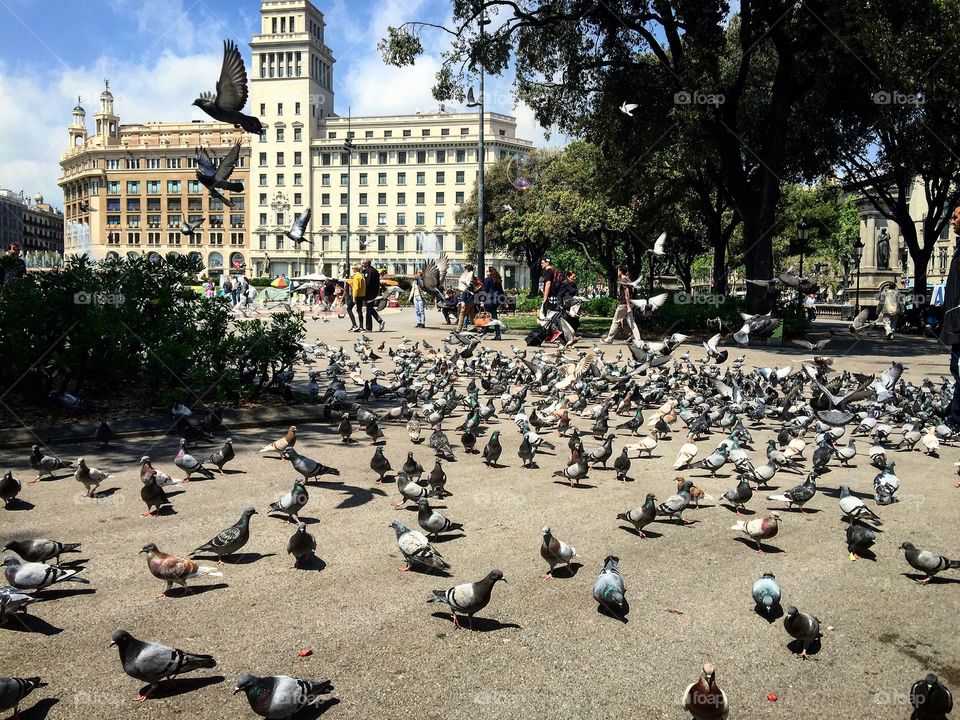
(291, 91)
(107, 123)
(78, 127)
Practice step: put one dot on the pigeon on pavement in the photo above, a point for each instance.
(14, 690)
(556, 552)
(468, 598)
(292, 502)
(90, 477)
(153, 663)
(188, 463)
(37, 576)
(760, 529)
(301, 545)
(926, 561)
(173, 569)
(641, 516)
(281, 696)
(230, 540)
(45, 464)
(417, 550)
(802, 626)
(608, 588)
(704, 699)
(766, 592)
(41, 549)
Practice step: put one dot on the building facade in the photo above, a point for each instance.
(128, 189)
(35, 225)
(886, 261)
(383, 188)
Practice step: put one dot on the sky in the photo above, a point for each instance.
(160, 55)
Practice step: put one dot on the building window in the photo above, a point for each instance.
(440, 198)
(418, 243)
(421, 178)
(440, 219)
(297, 133)
(441, 156)
(263, 180)
(263, 106)
(325, 179)
(343, 198)
(461, 156)
(133, 238)
(421, 198)
(421, 219)
(402, 157)
(363, 179)
(381, 198)
(133, 187)
(343, 218)
(401, 198)
(382, 158)
(325, 158)
(381, 243)
(113, 219)
(325, 218)
(363, 219)
(280, 180)
(401, 178)
(458, 199)
(173, 163)
(464, 131)
(401, 242)
(280, 159)
(388, 133)
(444, 131)
(279, 242)
(133, 204)
(363, 199)
(381, 218)
(421, 156)
(262, 199)
(381, 178)
(343, 179)
(113, 187)
(298, 158)
(297, 179)
(193, 187)
(407, 133)
(325, 199)
(460, 177)
(364, 158)
(458, 244)
(263, 242)
(173, 187)
(279, 134)
(153, 163)
(298, 199)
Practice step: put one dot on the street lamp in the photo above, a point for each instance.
(348, 146)
(803, 234)
(472, 102)
(858, 252)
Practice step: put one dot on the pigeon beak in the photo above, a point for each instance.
(112, 644)
(236, 690)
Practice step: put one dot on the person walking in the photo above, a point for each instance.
(465, 286)
(356, 289)
(491, 297)
(624, 310)
(950, 333)
(552, 281)
(372, 276)
(569, 314)
(417, 300)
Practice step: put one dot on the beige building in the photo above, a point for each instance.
(899, 269)
(128, 189)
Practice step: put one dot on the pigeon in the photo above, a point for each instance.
(468, 598)
(798, 495)
(298, 230)
(148, 474)
(803, 627)
(90, 477)
(492, 450)
(379, 463)
(885, 485)
(305, 466)
(622, 465)
(608, 588)
(409, 490)
(674, 505)
(216, 176)
(412, 468)
(9, 487)
(414, 432)
(288, 440)
(416, 549)
(222, 456)
(226, 105)
(188, 463)
(41, 549)
(301, 544)
(703, 699)
(469, 441)
(854, 508)
(931, 699)
(433, 522)
(438, 481)
(641, 516)
(760, 529)
(230, 540)
(190, 229)
(346, 430)
(659, 246)
(556, 552)
(766, 592)
(859, 538)
(45, 464)
(13, 601)
(575, 471)
(926, 561)
(153, 496)
(740, 495)
(628, 108)
(153, 663)
(280, 696)
(374, 432)
(103, 435)
(37, 576)
(14, 690)
(173, 569)
(292, 502)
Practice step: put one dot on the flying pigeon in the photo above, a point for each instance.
(226, 105)
(216, 177)
(628, 108)
(298, 231)
(190, 229)
(153, 663)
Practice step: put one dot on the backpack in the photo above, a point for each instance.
(556, 279)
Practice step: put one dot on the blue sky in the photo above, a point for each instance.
(159, 55)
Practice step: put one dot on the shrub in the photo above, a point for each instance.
(599, 306)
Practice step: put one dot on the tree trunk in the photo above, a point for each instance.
(534, 267)
(758, 259)
(612, 280)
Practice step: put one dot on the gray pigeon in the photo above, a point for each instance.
(927, 562)
(13, 601)
(931, 699)
(674, 505)
(222, 456)
(188, 463)
(409, 490)
(608, 590)
(217, 175)
(379, 463)
(292, 503)
(575, 471)
(37, 576)
(468, 598)
(226, 105)
(416, 549)
(414, 469)
(298, 230)
(739, 495)
(14, 690)
(280, 696)
(9, 487)
(433, 522)
(622, 465)
(641, 516)
(802, 626)
(153, 663)
(492, 450)
(231, 539)
(438, 480)
(90, 477)
(301, 545)
(307, 467)
(766, 592)
(41, 549)
(45, 464)
(854, 508)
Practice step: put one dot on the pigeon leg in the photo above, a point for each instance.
(925, 580)
(405, 568)
(854, 556)
(641, 533)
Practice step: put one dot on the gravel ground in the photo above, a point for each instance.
(543, 649)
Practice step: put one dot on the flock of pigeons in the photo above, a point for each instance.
(464, 388)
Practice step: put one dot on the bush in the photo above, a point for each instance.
(599, 307)
(529, 304)
(260, 281)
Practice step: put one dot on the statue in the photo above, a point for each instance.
(883, 250)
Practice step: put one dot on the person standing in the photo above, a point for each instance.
(465, 287)
(492, 296)
(416, 299)
(552, 280)
(372, 276)
(889, 306)
(624, 309)
(950, 333)
(356, 289)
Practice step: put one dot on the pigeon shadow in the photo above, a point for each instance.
(566, 572)
(315, 711)
(233, 472)
(607, 612)
(776, 612)
(566, 483)
(23, 622)
(312, 563)
(733, 509)
(448, 538)
(190, 590)
(239, 558)
(479, 624)
(867, 555)
(835, 493)
(181, 686)
(100, 494)
(633, 531)
(58, 593)
(935, 580)
(174, 493)
(51, 478)
(18, 505)
(290, 520)
(41, 710)
(796, 647)
(773, 549)
(421, 570)
(795, 509)
(356, 496)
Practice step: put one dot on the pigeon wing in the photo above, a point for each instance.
(205, 163)
(232, 85)
(228, 163)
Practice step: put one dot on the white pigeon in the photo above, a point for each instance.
(658, 246)
(628, 108)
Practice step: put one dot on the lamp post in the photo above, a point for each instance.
(803, 234)
(858, 251)
(472, 102)
(348, 146)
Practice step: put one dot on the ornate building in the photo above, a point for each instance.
(35, 225)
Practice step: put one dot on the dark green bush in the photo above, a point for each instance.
(599, 307)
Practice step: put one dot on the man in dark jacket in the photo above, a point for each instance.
(372, 277)
(950, 334)
(14, 266)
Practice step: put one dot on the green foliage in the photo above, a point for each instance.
(599, 306)
(95, 330)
